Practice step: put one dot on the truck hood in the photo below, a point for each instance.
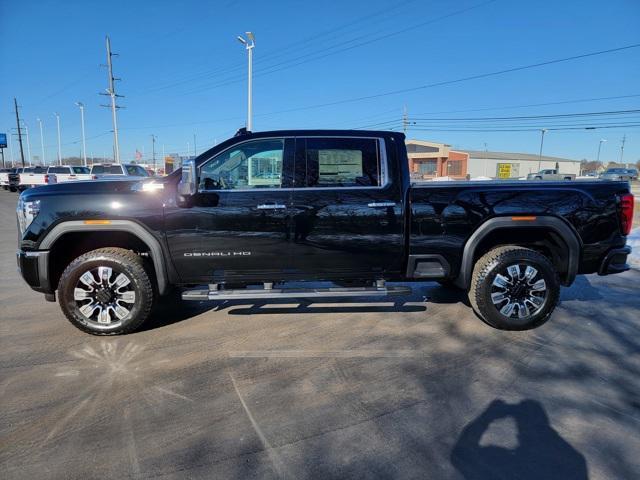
(99, 186)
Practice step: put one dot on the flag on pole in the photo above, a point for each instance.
(138, 155)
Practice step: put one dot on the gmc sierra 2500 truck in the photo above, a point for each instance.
(261, 209)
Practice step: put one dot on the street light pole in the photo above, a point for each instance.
(26, 132)
(59, 145)
(602, 140)
(84, 143)
(41, 140)
(249, 45)
(542, 131)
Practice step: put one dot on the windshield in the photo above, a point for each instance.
(616, 170)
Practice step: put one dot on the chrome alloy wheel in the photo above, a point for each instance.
(520, 291)
(104, 297)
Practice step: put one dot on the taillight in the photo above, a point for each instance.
(626, 213)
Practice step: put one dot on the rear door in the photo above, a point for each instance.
(237, 227)
(347, 210)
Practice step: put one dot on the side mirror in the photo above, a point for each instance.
(188, 185)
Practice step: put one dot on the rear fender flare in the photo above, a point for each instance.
(566, 233)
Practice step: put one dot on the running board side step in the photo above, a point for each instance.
(258, 293)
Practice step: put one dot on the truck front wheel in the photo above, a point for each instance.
(106, 292)
(514, 288)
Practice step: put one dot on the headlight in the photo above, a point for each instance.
(27, 211)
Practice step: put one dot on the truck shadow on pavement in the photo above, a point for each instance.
(539, 451)
(171, 310)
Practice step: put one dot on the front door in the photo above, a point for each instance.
(347, 212)
(237, 226)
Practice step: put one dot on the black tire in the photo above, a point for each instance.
(520, 293)
(129, 310)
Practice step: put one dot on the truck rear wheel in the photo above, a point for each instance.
(106, 292)
(514, 288)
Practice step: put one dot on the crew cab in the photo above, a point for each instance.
(252, 214)
(550, 174)
(35, 176)
(70, 173)
(102, 170)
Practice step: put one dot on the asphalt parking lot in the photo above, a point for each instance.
(348, 389)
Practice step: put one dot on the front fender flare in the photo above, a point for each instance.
(120, 226)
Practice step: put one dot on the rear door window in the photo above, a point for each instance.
(339, 162)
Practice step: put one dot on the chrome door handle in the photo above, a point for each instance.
(381, 204)
(271, 206)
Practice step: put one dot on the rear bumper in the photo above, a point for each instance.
(34, 268)
(615, 261)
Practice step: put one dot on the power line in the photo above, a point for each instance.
(563, 102)
(335, 49)
(561, 115)
(212, 73)
(457, 80)
(594, 127)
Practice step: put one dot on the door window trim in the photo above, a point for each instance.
(384, 167)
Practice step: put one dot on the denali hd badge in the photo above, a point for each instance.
(216, 254)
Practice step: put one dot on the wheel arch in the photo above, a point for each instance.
(507, 227)
(127, 229)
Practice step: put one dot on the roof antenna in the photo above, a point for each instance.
(242, 131)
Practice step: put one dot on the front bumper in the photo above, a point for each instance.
(615, 261)
(34, 268)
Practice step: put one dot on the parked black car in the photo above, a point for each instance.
(264, 208)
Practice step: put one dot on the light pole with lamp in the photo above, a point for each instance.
(41, 140)
(84, 143)
(602, 140)
(59, 146)
(249, 45)
(542, 131)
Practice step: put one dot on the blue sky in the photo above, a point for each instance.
(183, 71)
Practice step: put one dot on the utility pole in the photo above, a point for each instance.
(41, 140)
(249, 45)
(111, 92)
(624, 139)
(84, 143)
(543, 131)
(59, 144)
(153, 151)
(15, 103)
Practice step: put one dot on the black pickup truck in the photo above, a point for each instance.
(244, 219)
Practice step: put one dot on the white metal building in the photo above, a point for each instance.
(514, 165)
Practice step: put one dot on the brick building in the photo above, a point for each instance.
(429, 160)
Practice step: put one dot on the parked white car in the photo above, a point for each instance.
(35, 177)
(70, 173)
